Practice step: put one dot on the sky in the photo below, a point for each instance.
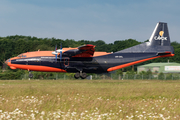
(107, 20)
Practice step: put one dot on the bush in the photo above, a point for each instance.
(161, 76)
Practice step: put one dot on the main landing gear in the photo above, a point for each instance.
(81, 74)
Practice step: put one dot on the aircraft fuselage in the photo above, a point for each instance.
(98, 64)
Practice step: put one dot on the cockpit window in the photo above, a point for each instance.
(21, 55)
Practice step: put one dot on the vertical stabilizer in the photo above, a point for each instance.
(160, 35)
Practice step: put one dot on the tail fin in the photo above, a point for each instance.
(158, 42)
(160, 35)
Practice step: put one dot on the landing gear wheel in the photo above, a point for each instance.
(77, 75)
(83, 75)
(30, 75)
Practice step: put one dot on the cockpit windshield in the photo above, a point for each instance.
(21, 56)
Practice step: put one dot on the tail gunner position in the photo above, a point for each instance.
(84, 59)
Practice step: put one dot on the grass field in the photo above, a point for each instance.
(90, 99)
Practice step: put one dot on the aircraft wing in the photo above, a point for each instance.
(82, 51)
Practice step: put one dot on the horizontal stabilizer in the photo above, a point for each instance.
(164, 53)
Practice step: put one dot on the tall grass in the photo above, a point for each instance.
(89, 99)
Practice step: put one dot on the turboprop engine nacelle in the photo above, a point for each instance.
(56, 52)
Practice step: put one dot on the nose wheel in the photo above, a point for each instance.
(30, 75)
(81, 74)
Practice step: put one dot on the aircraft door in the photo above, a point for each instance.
(66, 61)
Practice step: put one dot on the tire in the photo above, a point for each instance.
(84, 75)
(30, 75)
(77, 75)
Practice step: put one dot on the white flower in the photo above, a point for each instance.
(161, 115)
(42, 113)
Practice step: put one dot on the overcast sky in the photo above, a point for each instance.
(107, 20)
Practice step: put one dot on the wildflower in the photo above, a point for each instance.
(42, 113)
(161, 115)
(81, 114)
(58, 116)
(16, 109)
(32, 115)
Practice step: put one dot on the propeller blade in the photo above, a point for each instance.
(61, 52)
(56, 52)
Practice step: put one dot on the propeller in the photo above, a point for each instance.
(58, 51)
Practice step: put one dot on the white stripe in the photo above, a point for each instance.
(151, 38)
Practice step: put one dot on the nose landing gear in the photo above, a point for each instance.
(81, 74)
(30, 74)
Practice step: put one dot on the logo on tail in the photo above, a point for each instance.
(161, 33)
(160, 37)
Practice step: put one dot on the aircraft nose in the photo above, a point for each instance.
(8, 61)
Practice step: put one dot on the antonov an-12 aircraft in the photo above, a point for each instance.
(84, 59)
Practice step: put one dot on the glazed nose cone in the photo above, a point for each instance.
(8, 61)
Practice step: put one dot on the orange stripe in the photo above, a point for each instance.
(136, 62)
(36, 68)
(49, 53)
